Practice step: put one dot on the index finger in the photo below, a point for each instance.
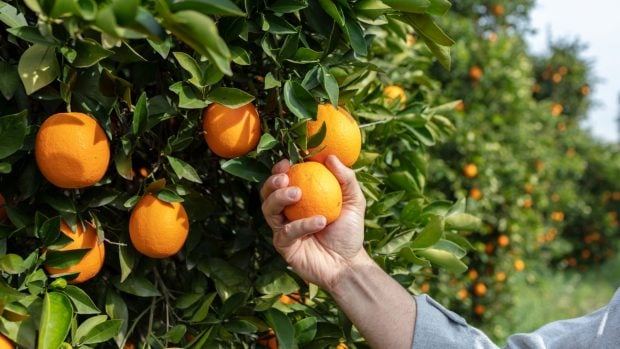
(277, 180)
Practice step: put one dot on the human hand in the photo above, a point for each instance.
(318, 253)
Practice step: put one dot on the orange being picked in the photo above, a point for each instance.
(393, 92)
(92, 261)
(343, 137)
(231, 132)
(72, 150)
(320, 192)
(157, 228)
(5, 343)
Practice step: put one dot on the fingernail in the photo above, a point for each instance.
(293, 193)
(320, 222)
(277, 181)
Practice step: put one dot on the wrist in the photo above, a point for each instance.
(355, 269)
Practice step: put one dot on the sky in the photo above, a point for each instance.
(595, 23)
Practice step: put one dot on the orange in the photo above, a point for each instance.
(479, 309)
(527, 203)
(410, 40)
(462, 294)
(460, 106)
(392, 92)
(503, 241)
(497, 10)
(158, 228)
(473, 274)
(480, 289)
(231, 132)
(129, 345)
(342, 346)
(519, 265)
(425, 288)
(500, 276)
(72, 150)
(5, 343)
(320, 192)
(585, 90)
(92, 261)
(475, 73)
(269, 340)
(556, 109)
(557, 216)
(144, 172)
(2, 210)
(290, 299)
(470, 170)
(475, 193)
(343, 137)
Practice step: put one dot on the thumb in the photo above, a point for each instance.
(351, 191)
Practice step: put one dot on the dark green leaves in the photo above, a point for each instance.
(437, 41)
(285, 332)
(38, 67)
(184, 170)
(246, 168)
(230, 97)
(13, 130)
(299, 101)
(209, 7)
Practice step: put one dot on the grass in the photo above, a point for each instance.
(547, 295)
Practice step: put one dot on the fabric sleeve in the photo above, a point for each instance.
(438, 327)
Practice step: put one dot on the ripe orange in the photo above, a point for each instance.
(460, 106)
(462, 294)
(341, 345)
(585, 90)
(424, 288)
(157, 228)
(343, 137)
(503, 241)
(392, 92)
(480, 289)
(269, 340)
(5, 343)
(556, 109)
(479, 309)
(410, 40)
(557, 216)
(475, 193)
(473, 274)
(497, 10)
(293, 298)
(475, 73)
(500, 276)
(229, 132)
(72, 150)
(527, 203)
(320, 192)
(92, 261)
(470, 170)
(2, 210)
(519, 265)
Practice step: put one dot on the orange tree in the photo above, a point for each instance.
(188, 258)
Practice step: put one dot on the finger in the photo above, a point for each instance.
(273, 183)
(346, 177)
(281, 166)
(276, 202)
(298, 229)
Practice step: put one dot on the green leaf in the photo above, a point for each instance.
(276, 282)
(267, 142)
(394, 244)
(188, 63)
(432, 232)
(140, 115)
(101, 332)
(442, 53)
(333, 11)
(209, 7)
(168, 195)
(443, 259)
(176, 333)
(439, 7)
(56, 315)
(13, 129)
(413, 6)
(230, 97)
(49, 231)
(281, 324)
(64, 259)
(87, 326)
(38, 67)
(288, 6)
(305, 330)
(138, 286)
(356, 36)
(89, 52)
(271, 81)
(125, 11)
(316, 139)
(81, 301)
(10, 16)
(299, 101)
(12, 264)
(116, 308)
(203, 310)
(246, 168)
(463, 221)
(184, 170)
(240, 326)
(15, 312)
(200, 33)
(330, 85)
(425, 26)
(10, 83)
(276, 25)
(404, 180)
(5, 168)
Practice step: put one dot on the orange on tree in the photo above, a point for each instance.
(392, 93)
(410, 40)
(519, 265)
(584, 90)
(503, 240)
(497, 9)
(269, 340)
(556, 109)
(470, 170)
(473, 274)
(557, 216)
(475, 193)
(231, 132)
(500, 276)
(293, 298)
(527, 203)
(475, 73)
(480, 289)
(343, 137)
(460, 106)
(342, 345)
(85, 237)
(5, 343)
(320, 192)
(425, 288)
(479, 309)
(72, 150)
(157, 228)
(462, 294)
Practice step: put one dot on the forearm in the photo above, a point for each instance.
(381, 309)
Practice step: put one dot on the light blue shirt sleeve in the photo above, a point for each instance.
(439, 328)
